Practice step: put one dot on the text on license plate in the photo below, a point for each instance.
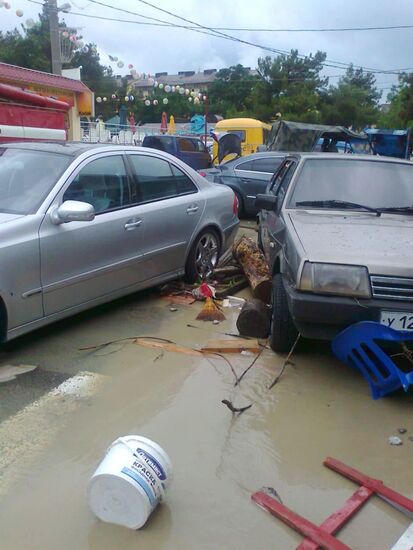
(399, 320)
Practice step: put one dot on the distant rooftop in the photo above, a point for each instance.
(184, 78)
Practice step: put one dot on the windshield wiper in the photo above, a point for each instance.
(340, 204)
(396, 209)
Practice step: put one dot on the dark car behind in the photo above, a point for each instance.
(190, 150)
(247, 176)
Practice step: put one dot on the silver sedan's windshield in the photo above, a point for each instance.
(26, 177)
(324, 183)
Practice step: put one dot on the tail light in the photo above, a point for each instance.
(202, 173)
(235, 205)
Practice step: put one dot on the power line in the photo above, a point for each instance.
(213, 32)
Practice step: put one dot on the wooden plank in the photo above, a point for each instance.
(337, 520)
(374, 484)
(232, 346)
(298, 523)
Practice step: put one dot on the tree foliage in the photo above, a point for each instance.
(231, 92)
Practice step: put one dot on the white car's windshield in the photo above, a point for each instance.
(336, 183)
(26, 177)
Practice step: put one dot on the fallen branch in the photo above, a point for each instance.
(286, 362)
(249, 367)
(233, 409)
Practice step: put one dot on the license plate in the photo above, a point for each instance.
(397, 319)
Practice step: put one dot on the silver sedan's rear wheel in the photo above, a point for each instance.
(203, 257)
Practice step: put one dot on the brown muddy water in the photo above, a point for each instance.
(58, 421)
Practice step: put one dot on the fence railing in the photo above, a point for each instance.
(98, 132)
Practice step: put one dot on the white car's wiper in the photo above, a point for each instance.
(396, 209)
(340, 204)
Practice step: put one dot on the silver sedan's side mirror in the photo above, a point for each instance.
(73, 211)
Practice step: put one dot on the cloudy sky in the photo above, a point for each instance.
(153, 49)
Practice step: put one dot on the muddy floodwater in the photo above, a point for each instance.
(57, 422)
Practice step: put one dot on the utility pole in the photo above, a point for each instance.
(54, 36)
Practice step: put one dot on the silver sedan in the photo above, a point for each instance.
(84, 224)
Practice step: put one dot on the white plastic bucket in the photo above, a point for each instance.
(130, 481)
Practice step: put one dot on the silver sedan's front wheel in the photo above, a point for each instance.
(203, 257)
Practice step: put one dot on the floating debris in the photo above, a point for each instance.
(394, 440)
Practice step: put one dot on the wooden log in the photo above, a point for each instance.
(255, 267)
(231, 346)
(254, 319)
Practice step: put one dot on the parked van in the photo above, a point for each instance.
(189, 149)
(251, 132)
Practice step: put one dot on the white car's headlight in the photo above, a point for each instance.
(344, 280)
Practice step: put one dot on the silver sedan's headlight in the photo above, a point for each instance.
(344, 280)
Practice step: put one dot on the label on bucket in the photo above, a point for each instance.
(151, 462)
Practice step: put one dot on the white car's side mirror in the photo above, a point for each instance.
(72, 211)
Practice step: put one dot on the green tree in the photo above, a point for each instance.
(289, 85)
(230, 93)
(353, 102)
(400, 112)
(29, 47)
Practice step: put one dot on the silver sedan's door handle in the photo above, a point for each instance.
(132, 224)
(191, 209)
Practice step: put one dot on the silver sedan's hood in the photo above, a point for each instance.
(8, 217)
(384, 244)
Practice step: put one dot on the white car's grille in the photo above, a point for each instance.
(392, 288)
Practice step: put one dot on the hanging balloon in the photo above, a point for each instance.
(204, 98)
(189, 99)
(72, 38)
(114, 59)
(151, 81)
(113, 96)
(98, 99)
(19, 13)
(199, 95)
(161, 86)
(173, 88)
(181, 91)
(130, 66)
(155, 102)
(29, 22)
(85, 49)
(65, 34)
(105, 99)
(167, 88)
(131, 98)
(196, 100)
(186, 91)
(165, 101)
(120, 64)
(155, 84)
(147, 102)
(126, 98)
(7, 5)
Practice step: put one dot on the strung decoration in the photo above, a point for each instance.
(126, 98)
(165, 101)
(186, 91)
(204, 98)
(120, 64)
(7, 5)
(98, 99)
(72, 38)
(193, 94)
(30, 24)
(155, 84)
(181, 91)
(85, 49)
(147, 102)
(173, 88)
(105, 99)
(161, 86)
(130, 66)
(199, 95)
(19, 13)
(113, 96)
(131, 98)
(196, 100)
(155, 102)
(189, 99)
(167, 88)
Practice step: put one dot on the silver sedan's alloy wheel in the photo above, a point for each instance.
(206, 254)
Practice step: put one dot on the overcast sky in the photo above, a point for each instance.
(155, 49)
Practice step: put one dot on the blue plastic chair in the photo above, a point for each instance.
(357, 346)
